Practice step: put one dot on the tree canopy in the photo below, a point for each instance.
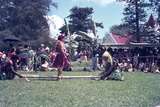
(81, 20)
(134, 16)
(121, 29)
(156, 6)
(25, 19)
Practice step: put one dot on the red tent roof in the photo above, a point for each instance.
(118, 39)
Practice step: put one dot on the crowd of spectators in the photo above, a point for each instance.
(25, 58)
(145, 59)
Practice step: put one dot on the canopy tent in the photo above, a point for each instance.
(132, 44)
(11, 38)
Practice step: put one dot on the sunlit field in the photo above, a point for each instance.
(137, 90)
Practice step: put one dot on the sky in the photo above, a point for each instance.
(108, 12)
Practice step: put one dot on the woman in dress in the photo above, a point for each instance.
(61, 57)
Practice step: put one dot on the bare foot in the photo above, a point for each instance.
(27, 79)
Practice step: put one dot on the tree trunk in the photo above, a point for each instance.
(159, 14)
(137, 21)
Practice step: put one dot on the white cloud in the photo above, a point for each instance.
(55, 22)
(101, 2)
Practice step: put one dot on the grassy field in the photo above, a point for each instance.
(138, 90)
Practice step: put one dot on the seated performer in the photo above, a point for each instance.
(7, 70)
(108, 64)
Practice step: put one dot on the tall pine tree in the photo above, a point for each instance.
(156, 7)
(134, 17)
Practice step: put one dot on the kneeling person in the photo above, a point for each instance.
(112, 71)
(7, 71)
(108, 65)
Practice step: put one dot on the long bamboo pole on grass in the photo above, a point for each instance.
(54, 77)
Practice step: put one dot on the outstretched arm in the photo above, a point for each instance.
(19, 75)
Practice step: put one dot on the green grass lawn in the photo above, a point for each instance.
(138, 90)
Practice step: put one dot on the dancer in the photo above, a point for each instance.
(61, 57)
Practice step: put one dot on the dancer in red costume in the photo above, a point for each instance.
(61, 57)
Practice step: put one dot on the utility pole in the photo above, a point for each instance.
(159, 14)
(69, 37)
(67, 27)
(137, 20)
(94, 32)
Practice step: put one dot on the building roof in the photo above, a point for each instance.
(120, 39)
(151, 21)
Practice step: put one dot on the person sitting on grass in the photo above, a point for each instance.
(108, 64)
(157, 70)
(7, 70)
(130, 67)
(112, 70)
(117, 73)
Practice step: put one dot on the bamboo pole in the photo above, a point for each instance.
(54, 77)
